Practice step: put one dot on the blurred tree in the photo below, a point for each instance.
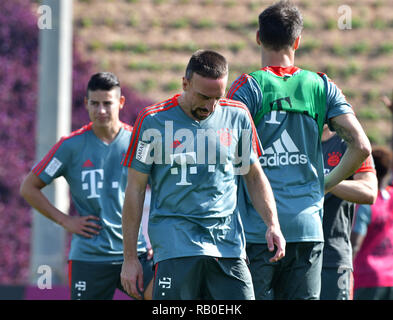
(18, 103)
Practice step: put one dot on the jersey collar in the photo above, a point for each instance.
(282, 71)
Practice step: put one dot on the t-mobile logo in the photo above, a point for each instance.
(183, 159)
(93, 182)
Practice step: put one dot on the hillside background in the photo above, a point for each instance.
(148, 44)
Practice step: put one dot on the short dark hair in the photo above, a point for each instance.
(280, 25)
(207, 63)
(105, 81)
(383, 160)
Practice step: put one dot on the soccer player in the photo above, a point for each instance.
(289, 107)
(338, 214)
(372, 237)
(193, 147)
(90, 161)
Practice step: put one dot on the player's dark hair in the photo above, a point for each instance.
(105, 81)
(383, 160)
(280, 25)
(208, 64)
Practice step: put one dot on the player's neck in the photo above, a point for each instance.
(107, 133)
(282, 58)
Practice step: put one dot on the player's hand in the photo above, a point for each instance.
(149, 253)
(82, 225)
(132, 275)
(275, 238)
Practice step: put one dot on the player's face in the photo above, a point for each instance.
(202, 94)
(104, 106)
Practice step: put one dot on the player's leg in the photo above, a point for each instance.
(92, 281)
(227, 279)
(300, 277)
(262, 271)
(148, 273)
(178, 279)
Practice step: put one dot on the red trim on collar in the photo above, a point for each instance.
(281, 71)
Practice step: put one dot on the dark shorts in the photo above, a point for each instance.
(295, 277)
(202, 277)
(337, 283)
(99, 280)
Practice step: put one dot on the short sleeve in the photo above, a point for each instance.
(141, 147)
(54, 163)
(336, 103)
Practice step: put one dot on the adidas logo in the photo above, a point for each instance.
(88, 164)
(283, 152)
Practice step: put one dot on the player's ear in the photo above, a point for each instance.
(297, 43)
(122, 100)
(257, 38)
(185, 83)
(86, 101)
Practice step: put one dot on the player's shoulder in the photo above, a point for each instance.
(327, 80)
(234, 105)
(76, 136)
(127, 127)
(158, 108)
(241, 83)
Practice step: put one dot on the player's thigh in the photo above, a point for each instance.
(300, 277)
(178, 279)
(262, 270)
(93, 281)
(336, 283)
(148, 273)
(148, 269)
(227, 279)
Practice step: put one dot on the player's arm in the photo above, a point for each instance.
(363, 189)
(350, 130)
(30, 190)
(262, 198)
(131, 273)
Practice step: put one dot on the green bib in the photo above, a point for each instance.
(303, 92)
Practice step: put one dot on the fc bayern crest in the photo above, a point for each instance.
(334, 158)
(225, 137)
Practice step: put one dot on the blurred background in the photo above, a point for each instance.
(147, 44)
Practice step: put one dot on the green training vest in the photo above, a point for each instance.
(303, 92)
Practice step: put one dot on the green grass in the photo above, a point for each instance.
(386, 48)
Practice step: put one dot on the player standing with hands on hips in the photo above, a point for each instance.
(90, 161)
